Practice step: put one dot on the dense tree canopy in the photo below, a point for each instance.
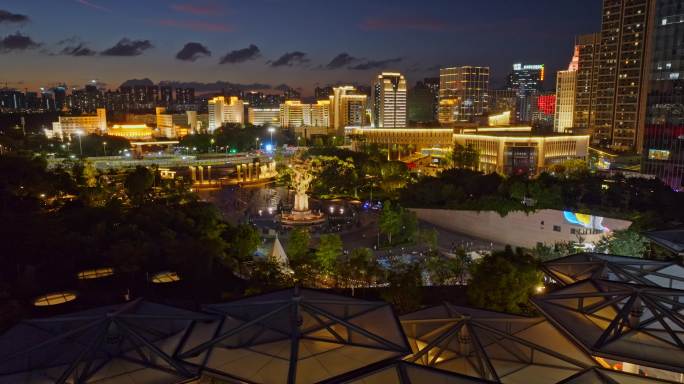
(647, 202)
(503, 281)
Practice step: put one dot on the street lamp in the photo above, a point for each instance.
(271, 130)
(79, 133)
(104, 148)
(257, 143)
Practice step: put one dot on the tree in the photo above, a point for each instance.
(138, 184)
(544, 252)
(428, 237)
(360, 265)
(503, 281)
(404, 286)
(466, 157)
(446, 270)
(329, 250)
(243, 241)
(624, 243)
(297, 247)
(390, 221)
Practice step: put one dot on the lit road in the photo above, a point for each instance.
(166, 161)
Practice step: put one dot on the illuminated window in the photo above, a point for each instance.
(95, 273)
(56, 298)
(165, 277)
(658, 154)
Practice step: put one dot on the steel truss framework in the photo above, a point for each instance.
(492, 346)
(609, 376)
(403, 372)
(295, 336)
(134, 342)
(627, 322)
(583, 266)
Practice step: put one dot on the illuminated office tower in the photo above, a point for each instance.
(348, 107)
(620, 102)
(463, 94)
(587, 48)
(68, 126)
(388, 100)
(320, 114)
(566, 91)
(222, 111)
(294, 114)
(527, 80)
(663, 150)
(264, 116)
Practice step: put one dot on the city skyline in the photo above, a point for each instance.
(209, 41)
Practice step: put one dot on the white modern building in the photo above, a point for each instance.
(388, 100)
(222, 111)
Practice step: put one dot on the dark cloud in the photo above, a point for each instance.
(289, 59)
(192, 52)
(282, 87)
(375, 64)
(136, 82)
(341, 60)
(127, 47)
(241, 55)
(9, 17)
(218, 86)
(17, 42)
(77, 50)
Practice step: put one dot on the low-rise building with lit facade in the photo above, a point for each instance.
(263, 116)
(506, 150)
(67, 126)
(131, 131)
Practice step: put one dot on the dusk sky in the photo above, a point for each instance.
(301, 43)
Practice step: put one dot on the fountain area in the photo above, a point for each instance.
(301, 214)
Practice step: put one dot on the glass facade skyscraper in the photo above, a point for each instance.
(663, 152)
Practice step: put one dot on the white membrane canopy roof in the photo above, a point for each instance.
(403, 372)
(626, 322)
(609, 376)
(130, 343)
(295, 336)
(490, 345)
(583, 266)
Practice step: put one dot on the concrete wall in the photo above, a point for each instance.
(521, 229)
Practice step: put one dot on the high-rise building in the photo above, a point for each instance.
(388, 100)
(528, 77)
(527, 80)
(60, 97)
(323, 93)
(463, 94)
(185, 96)
(223, 111)
(566, 92)
(348, 107)
(501, 101)
(663, 149)
(620, 107)
(422, 103)
(543, 110)
(587, 48)
(165, 95)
